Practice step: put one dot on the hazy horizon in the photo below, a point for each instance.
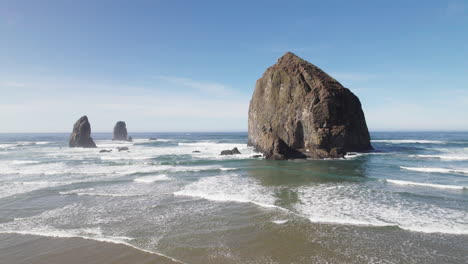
(228, 131)
(187, 67)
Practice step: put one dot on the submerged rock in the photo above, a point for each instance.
(105, 150)
(81, 135)
(196, 151)
(152, 138)
(122, 148)
(230, 152)
(299, 111)
(120, 132)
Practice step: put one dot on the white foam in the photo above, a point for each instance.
(230, 188)
(89, 234)
(20, 162)
(125, 157)
(7, 145)
(356, 204)
(105, 222)
(408, 141)
(163, 140)
(228, 169)
(61, 168)
(436, 170)
(113, 144)
(353, 155)
(21, 178)
(447, 154)
(280, 222)
(212, 150)
(432, 185)
(48, 183)
(442, 157)
(15, 188)
(150, 179)
(43, 142)
(202, 143)
(24, 143)
(209, 150)
(97, 194)
(64, 168)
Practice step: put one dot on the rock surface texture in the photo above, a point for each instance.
(81, 135)
(233, 151)
(120, 131)
(299, 111)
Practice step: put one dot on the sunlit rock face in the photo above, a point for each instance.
(299, 111)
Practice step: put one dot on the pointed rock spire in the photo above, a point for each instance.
(81, 135)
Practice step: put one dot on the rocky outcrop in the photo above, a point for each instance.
(81, 135)
(299, 111)
(233, 151)
(122, 149)
(120, 132)
(105, 150)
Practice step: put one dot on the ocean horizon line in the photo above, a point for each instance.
(230, 131)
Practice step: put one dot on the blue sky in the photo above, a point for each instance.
(192, 65)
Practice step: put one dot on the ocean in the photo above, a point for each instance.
(406, 202)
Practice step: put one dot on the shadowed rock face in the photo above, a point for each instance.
(81, 135)
(120, 131)
(299, 111)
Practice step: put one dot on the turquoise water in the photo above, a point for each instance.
(405, 202)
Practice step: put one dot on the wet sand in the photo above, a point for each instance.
(22, 249)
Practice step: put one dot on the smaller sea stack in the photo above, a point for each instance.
(81, 135)
(120, 132)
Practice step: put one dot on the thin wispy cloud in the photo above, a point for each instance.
(202, 86)
(149, 108)
(13, 84)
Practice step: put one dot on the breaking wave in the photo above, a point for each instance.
(352, 204)
(435, 170)
(230, 188)
(151, 179)
(431, 185)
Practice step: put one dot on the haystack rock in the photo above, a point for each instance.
(81, 135)
(120, 132)
(299, 111)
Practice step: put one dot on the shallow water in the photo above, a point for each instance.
(405, 202)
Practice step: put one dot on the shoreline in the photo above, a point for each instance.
(22, 248)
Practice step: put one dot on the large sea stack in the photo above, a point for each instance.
(120, 131)
(299, 111)
(81, 135)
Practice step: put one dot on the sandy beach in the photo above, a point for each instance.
(22, 249)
